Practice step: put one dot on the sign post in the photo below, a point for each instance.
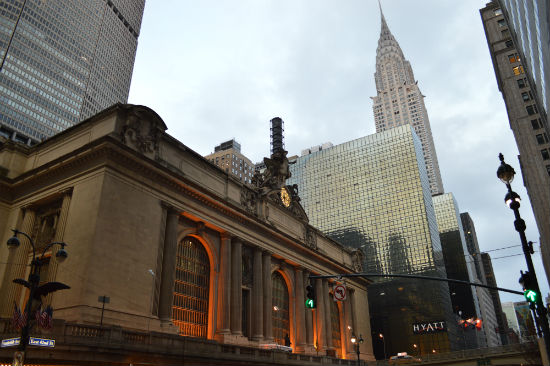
(105, 300)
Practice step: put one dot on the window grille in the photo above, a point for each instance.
(280, 313)
(190, 306)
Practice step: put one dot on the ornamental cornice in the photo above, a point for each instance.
(107, 150)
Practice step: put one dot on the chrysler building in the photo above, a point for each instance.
(399, 100)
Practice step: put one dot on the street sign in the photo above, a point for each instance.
(339, 292)
(42, 342)
(11, 342)
(104, 299)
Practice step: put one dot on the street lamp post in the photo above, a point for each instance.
(35, 291)
(356, 343)
(383, 343)
(506, 174)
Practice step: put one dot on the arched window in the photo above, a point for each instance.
(280, 313)
(190, 306)
(335, 323)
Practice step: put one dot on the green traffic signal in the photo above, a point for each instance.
(530, 295)
(528, 284)
(310, 296)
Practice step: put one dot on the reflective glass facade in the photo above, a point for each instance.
(458, 263)
(373, 193)
(68, 60)
(530, 25)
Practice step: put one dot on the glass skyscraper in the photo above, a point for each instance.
(459, 265)
(373, 193)
(68, 60)
(530, 25)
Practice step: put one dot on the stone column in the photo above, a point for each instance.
(300, 310)
(320, 315)
(168, 275)
(224, 286)
(353, 311)
(328, 322)
(347, 325)
(236, 286)
(268, 294)
(309, 317)
(16, 266)
(257, 296)
(59, 231)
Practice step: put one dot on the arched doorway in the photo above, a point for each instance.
(190, 306)
(280, 314)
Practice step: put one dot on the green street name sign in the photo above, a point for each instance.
(310, 304)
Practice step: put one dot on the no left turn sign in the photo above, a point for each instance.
(339, 292)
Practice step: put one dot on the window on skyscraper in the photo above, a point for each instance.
(531, 109)
(545, 155)
(542, 138)
(536, 123)
(522, 83)
(518, 70)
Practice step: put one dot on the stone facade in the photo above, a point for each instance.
(526, 117)
(398, 100)
(132, 202)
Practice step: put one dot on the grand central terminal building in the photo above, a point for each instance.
(170, 259)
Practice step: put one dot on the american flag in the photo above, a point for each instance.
(44, 317)
(19, 320)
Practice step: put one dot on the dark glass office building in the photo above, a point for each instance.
(373, 193)
(68, 60)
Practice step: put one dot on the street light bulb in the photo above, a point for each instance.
(505, 172)
(381, 335)
(61, 255)
(353, 339)
(512, 197)
(13, 242)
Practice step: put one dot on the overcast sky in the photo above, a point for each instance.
(219, 69)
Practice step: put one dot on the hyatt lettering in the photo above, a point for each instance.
(431, 327)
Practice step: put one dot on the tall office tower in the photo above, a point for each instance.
(527, 121)
(491, 281)
(68, 60)
(227, 156)
(399, 101)
(373, 193)
(486, 305)
(458, 264)
(520, 320)
(529, 24)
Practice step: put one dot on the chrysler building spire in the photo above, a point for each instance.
(399, 100)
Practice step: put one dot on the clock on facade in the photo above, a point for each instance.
(285, 197)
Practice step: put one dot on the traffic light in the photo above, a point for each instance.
(526, 281)
(311, 302)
